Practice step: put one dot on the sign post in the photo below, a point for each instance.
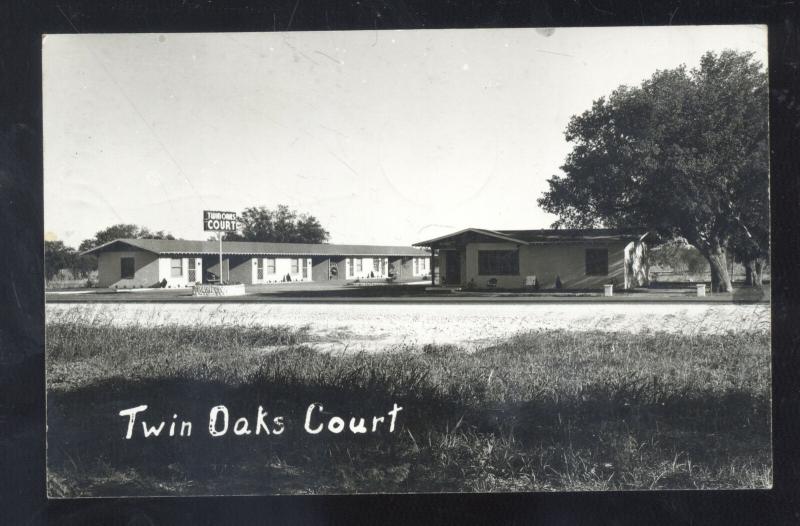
(219, 222)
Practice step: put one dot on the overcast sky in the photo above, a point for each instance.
(388, 137)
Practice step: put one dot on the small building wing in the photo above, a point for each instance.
(514, 259)
(530, 237)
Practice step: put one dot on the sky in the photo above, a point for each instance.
(387, 137)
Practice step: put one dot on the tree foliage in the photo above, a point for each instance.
(122, 231)
(118, 231)
(58, 256)
(682, 155)
(281, 225)
(679, 256)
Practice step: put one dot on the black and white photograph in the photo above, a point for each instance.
(407, 261)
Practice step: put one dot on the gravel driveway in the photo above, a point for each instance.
(375, 326)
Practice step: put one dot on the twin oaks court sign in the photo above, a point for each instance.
(216, 221)
(219, 222)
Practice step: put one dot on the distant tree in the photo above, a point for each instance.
(679, 256)
(58, 256)
(684, 155)
(281, 225)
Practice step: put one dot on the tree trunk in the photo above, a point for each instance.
(748, 273)
(714, 276)
(757, 273)
(720, 278)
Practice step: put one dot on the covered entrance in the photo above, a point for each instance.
(452, 267)
(336, 269)
(211, 270)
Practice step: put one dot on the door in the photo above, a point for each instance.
(334, 269)
(259, 269)
(452, 268)
(191, 275)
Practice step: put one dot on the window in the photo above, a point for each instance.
(259, 268)
(177, 267)
(359, 264)
(350, 267)
(376, 264)
(270, 264)
(416, 265)
(498, 262)
(127, 268)
(596, 261)
(305, 267)
(295, 265)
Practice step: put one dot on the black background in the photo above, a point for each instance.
(22, 393)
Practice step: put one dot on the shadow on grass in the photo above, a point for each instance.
(607, 437)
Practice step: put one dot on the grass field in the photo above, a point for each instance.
(541, 411)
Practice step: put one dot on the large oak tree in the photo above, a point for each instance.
(281, 225)
(683, 155)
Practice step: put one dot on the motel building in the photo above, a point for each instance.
(516, 259)
(140, 263)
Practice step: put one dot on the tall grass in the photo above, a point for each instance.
(541, 411)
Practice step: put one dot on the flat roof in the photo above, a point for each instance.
(176, 247)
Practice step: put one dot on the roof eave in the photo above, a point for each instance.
(100, 248)
(482, 231)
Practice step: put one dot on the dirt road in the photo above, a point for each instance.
(377, 326)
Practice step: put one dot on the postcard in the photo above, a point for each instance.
(348, 262)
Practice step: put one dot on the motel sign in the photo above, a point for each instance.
(216, 221)
(219, 222)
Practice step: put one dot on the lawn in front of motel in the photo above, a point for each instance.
(546, 410)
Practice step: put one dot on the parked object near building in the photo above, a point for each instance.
(137, 263)
(637, 268)
(507, 259)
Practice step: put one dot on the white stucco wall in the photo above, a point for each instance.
(283, 267)
(367, 268)
(165, 272)
(421, 266)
